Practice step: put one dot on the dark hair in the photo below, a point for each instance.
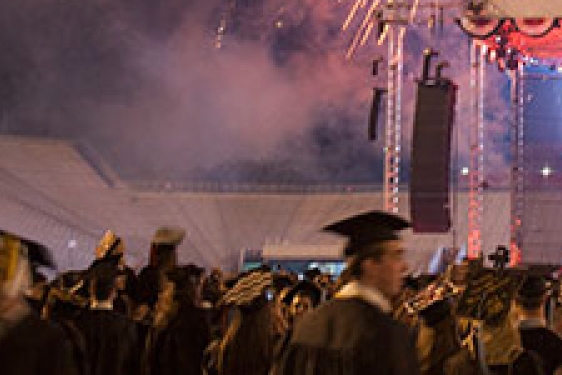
(530, 303)
(186, 280)
(531, 293)
(250, 328)
(163, 255)
(102, 288)
(373, 251)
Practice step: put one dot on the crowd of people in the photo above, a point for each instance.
(183, 319)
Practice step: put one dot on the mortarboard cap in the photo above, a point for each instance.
(14, 248)
(307, 288)
(248, 289)
(168, 236)
(366, 228)
(37, 254)
(109, 244)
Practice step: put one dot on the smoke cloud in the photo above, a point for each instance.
(145, 84)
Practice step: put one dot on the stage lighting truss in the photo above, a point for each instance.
(506, 39)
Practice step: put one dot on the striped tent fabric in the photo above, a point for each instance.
(248, 288)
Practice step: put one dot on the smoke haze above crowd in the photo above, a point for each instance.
(144, 83)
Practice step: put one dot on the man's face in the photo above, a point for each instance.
(386, 273)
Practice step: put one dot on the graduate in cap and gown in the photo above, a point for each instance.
(111, 338)
(354, 333)
(163, 257)
(62, 307)
(302, 298)
(28, 345)
(536, 336)
(127, 283)
(181, 330)
(249, 343)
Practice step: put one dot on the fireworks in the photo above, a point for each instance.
(380, 16)
(226, 15)
(376, 14)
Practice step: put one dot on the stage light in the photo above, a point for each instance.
(546, 171)
(464, 171)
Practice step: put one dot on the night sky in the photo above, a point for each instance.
(143, 82)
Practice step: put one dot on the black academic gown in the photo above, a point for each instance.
(526, 363)
(34, 347)
(349, 337)
(179, 347)
(546, 344)
(112, 346)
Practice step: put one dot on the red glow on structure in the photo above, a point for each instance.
(473, 250)
(514, 255)
(548, 46)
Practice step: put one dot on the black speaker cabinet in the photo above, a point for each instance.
(431, 156)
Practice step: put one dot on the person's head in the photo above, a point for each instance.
(312, 273)
(300, 305)
(163, 253)
(383, 268)
(102, 275)
(216, 274)
(103, 288)
(18, 256)
(302, 298)
(255, 324)
(374, 249)
(183, 284)
(532, 294)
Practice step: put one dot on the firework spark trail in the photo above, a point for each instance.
(352, 13)
(362, 29)
(383, 35)
(414, 10)
(223, 23)
(367, 33)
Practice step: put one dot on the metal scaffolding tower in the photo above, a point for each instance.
(476, 139)
(517, 170)
(393, 136)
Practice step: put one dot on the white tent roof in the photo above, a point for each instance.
(522, 8)
(49, 193)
